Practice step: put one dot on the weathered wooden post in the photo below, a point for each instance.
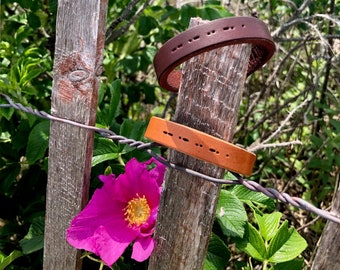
(80, 36)
(208, 100)
(327, 255)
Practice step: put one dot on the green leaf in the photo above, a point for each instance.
(7, 260)
(291, 265)
(132, 130)
(38, 142)
(286, 245)
(335, 124)
(150, 52)
(101, 158)
(109, 107)
(253, 244)
(209, 13)
(115, 100)
(8, 176)
(53, 6)
(146, 24)
(187, 12)
(104, 146)
(130, 45)
(250, 197)
(33, 20)
(30, 74)
(218, 254)
(104, 149)
(149, 92)
(316, 141)
(34, 239)
(230, 214)
(268, 224)
(131, 63)
(6, 112)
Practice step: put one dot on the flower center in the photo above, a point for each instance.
(137, 211)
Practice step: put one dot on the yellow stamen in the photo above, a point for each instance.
(137, 211)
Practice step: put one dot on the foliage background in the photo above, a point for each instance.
(305, 68)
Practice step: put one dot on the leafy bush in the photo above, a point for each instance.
(305, 67)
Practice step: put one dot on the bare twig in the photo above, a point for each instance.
(311, 222)
(293, 20)
(112, 34)
(307, 38)
(273, 145)
(257, 146)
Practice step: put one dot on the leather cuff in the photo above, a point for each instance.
(200, 145)
(208, 36)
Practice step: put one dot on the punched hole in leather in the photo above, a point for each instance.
(200, 145)
(208, 36)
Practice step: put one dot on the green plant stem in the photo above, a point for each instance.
(94, 259)
(265, 264)
(120, 160)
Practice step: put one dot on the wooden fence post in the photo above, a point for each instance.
(208, 100)
(327, 255)
(80, 37)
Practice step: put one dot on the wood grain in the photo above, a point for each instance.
(327, 255)
(80, 36)
(208, 100)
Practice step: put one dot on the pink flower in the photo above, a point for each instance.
(123, 211)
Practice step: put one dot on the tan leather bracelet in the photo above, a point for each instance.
(200, 145)
(208, 36)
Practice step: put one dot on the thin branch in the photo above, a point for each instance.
(308, 38)
(258, 95)
(168, 104)
(272, 145)
(112, 35)
(293, 19)
(312, 221)
(265, 143)
(296, 20)
(127, 12)
(286, 121)
(304, 5)
(329, 17)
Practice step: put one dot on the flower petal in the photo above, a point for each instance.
(142, 248)
(108, 249)
(137, 180)
(128, 183)
(107, 178)
(102, 211)
(101, 226)
(157, 173)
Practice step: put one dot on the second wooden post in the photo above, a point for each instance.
(80, 37)
(208, 100)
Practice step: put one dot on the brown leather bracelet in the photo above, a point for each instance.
(208, 36)
(200, 145)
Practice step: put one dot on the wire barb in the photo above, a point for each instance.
(251, 185)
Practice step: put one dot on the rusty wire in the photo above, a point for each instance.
(251, 185)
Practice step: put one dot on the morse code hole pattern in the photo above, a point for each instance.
(195, 38)
(212, 150)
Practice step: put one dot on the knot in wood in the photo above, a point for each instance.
(78, 75)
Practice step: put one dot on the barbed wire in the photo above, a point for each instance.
(251, 185)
